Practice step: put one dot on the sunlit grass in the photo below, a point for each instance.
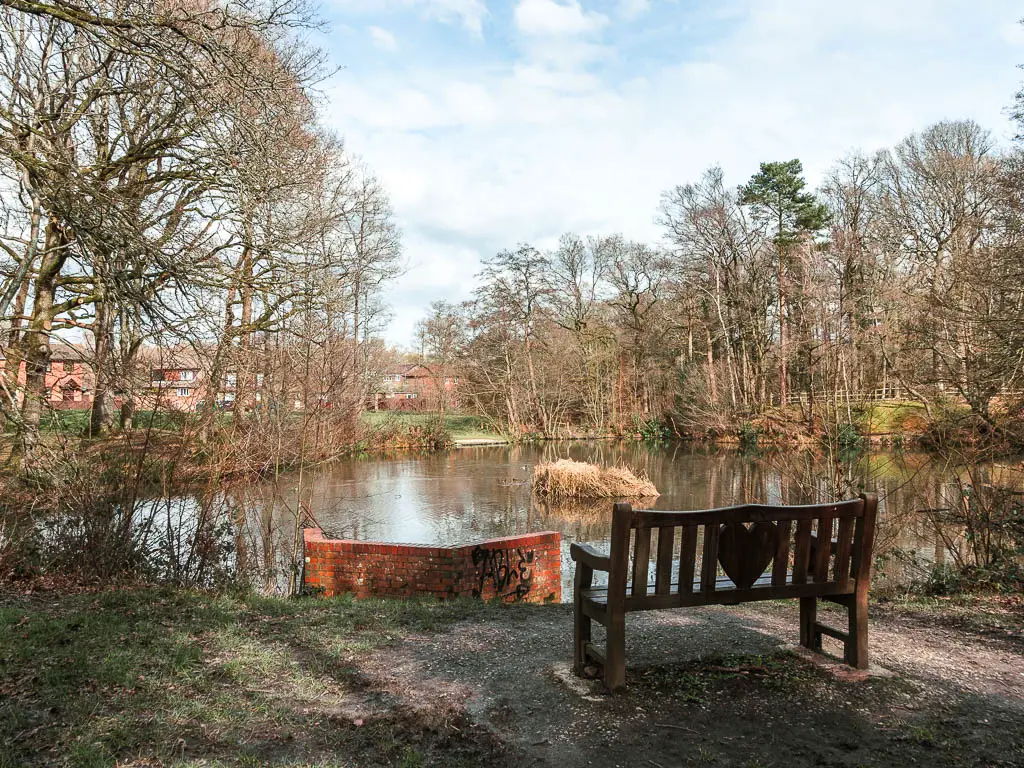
(458, 426)
(891, 417)
(190, 678)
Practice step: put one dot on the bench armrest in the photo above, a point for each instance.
(590, 557)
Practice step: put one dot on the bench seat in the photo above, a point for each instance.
(724, 593)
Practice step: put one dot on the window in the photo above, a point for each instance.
(184, 391)
(231, 379)
(188, 375)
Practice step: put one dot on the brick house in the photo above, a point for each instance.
(177, 380)
(69, 379)
(414, 386)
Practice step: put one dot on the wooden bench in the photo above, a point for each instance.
(747, 553)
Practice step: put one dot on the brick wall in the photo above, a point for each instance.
(517, 568)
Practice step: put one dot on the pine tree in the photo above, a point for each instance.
(776, 197)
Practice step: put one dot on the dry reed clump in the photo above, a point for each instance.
(568, 479)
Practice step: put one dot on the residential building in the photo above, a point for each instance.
(415, 386)
(69, 379)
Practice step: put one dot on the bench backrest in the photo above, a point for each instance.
(748, 552)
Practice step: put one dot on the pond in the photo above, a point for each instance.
(469, 494)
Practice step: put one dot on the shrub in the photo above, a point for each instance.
(748, 436)
(982, 527)
(651, 430)
(848, 437)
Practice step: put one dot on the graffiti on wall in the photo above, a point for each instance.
(508, 571)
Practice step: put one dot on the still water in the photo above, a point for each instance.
(469, 494)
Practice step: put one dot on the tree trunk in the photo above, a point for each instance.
(783, 373)
(712, 381)
(36, 347)
(101, 419)
(12, 365)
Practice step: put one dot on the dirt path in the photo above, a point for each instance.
(715, 686)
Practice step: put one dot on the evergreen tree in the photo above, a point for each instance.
(776, 197)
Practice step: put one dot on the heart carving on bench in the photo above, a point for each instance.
(745, 553)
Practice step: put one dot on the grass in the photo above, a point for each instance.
(75, 422)
(159, 676)
(458, 426)
(990, 614)
(891, 417)
(568, 479)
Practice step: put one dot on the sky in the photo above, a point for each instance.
(496, 122)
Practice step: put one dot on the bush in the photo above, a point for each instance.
(983, 529)
(848, 437)
(748, 436)
(651, 430)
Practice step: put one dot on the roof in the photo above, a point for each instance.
(63, 350)
(175, 357)
(400, 369)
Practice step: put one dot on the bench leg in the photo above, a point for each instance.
(581, 623)
(580, 637)
(809, 638)
(615, 663)
(856, 649)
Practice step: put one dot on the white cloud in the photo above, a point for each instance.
(549, 18)
(383, 39)
(632, 9)
(478, 159)
(1013, 33)
(469, 14)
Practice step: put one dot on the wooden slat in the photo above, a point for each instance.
(597, 611)
(641, 560)
(801, 551)
(687, 558)
(824, 629)
(823, 554)
(730, 596)
(781, 564)
(843, 551)
(724, 593)
(663, 567)
(709, 564)
(748, 513)
(594, 652)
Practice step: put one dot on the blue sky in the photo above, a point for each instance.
(492, 123)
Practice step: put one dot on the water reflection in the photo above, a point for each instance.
(469, 494)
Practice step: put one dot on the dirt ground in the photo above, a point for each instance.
(711, 686)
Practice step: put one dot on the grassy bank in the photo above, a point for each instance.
(458, 427)
(181, 677)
